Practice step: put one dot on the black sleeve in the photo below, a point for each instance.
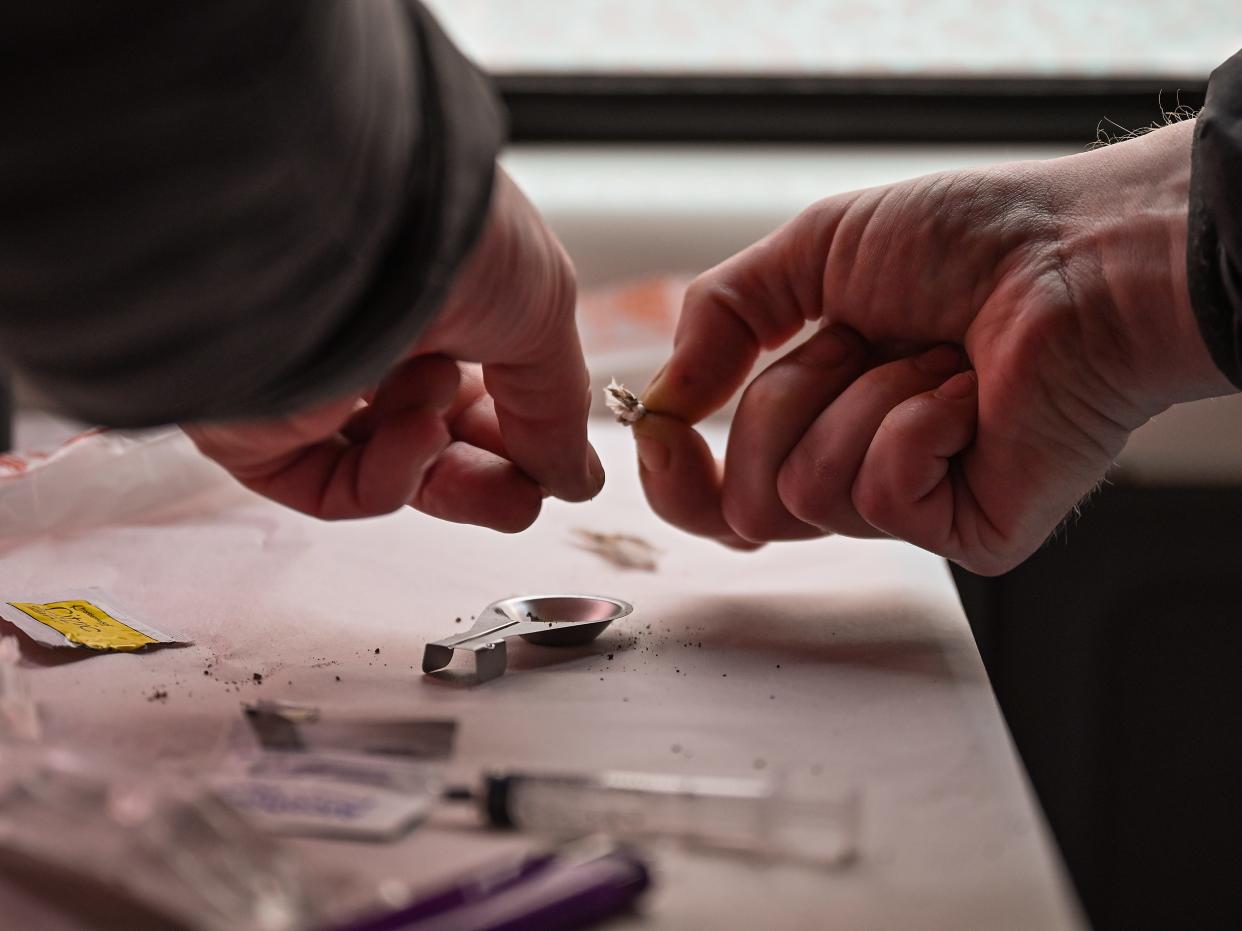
(1214, 249)
(231, 208)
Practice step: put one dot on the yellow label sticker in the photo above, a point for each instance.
(86, 623)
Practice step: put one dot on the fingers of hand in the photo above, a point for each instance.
(430, 381)
(336, 478)
(473, 481)
(472, 418)
(777, 409)
(758, 299)
(908, 485)
(682, 479)
(261, 446)
(470, 479)
(714, 349)
(816, 480)
(512, 308)
(469, 485)
(542, 408)
(334, 465)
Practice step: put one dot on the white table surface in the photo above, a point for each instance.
(849, 658)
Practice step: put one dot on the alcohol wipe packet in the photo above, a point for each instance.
(76, 618)
(326, 795)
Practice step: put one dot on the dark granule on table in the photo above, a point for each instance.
(206, 672)
(610, 657)
(158, 695)
(258, 677)
(338, 678)
(457, 620)
(377, 651)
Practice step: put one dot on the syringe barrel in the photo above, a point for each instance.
(743, 814)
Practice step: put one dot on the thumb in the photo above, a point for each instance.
(512, 309)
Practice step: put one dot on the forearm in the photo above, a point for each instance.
(234, 210)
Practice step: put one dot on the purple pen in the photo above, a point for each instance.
(558, 890)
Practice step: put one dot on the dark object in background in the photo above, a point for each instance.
(770, 108)
(295, 728)
(190, 277)
(1115, 654)
(6, 412)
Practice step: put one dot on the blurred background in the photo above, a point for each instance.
(660, 136)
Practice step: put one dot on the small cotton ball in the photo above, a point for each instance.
(623, 403)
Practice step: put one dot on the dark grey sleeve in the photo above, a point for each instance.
(1214, 249)
(231, 208)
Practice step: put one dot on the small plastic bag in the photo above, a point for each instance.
(164, 851)
(101, 477)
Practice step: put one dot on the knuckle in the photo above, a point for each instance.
(749, 520)
(715, 293)
(762, 396)
(805, 484)
(875, 503)
(701, 290)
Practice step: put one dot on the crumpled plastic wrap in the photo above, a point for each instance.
(165, 850)
(100, 477)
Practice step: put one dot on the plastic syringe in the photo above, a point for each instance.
(761, 817)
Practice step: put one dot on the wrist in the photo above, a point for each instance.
(1124, 236)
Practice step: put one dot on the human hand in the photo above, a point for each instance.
(475, 444)
(989, 339)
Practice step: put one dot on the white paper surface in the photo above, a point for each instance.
(844, 660)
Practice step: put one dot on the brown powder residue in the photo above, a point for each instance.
(622, 550)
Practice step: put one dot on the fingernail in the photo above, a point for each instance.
(961, 385)
(826, 348)
(653, 454)
(596, 468)
(940, 360)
